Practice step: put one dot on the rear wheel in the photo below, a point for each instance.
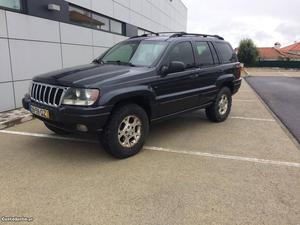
(56, 130)
(126, 131)
(220, 109)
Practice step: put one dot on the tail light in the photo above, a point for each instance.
(239, 70)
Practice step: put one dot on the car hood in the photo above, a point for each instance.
(90, 75)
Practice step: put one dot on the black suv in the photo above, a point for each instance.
(139, 81)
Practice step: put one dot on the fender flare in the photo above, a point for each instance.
(117, 95)
(227, 78)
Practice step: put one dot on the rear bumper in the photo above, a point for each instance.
(236, 85)
(68, 117)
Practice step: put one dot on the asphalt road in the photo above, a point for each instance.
(191, 171)
(282, 95)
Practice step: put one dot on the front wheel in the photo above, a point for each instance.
(220, 109)
(126, 131)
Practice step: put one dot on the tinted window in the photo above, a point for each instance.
(225, 52)
(11, 4)
(204, 54)
(183, 52)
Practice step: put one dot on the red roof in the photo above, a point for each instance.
(292, 48)
(270, 53)
(275, 54)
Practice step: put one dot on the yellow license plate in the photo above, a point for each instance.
(40, 112)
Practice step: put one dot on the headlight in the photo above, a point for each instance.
(79, 96)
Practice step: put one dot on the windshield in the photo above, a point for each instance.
(135, 53)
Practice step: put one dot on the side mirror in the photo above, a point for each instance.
(164, 70)
(174, 66)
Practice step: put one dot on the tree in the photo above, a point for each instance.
(247, 52)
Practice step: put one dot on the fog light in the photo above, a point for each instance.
(81, 127)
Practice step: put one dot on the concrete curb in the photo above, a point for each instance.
(246, 72)
(14, 117)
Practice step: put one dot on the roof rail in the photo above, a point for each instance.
(179, 34)
(145, 35)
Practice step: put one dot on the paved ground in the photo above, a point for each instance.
(13, 117)
(243, 171)
(282, 95)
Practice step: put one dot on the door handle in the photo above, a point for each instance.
(196, 75)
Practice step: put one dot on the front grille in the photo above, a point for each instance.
(47, 94)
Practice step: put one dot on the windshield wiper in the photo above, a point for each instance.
(120, 62)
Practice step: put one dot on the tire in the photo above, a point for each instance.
(56, 130)
(220, 109)
(126, 131)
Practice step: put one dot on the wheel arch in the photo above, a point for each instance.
(137, 95)
(226, 81)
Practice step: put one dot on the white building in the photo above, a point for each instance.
(37, 36)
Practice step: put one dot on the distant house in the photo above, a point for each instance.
(276, 53)
(292, 49)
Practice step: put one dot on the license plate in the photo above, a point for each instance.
(39, 112)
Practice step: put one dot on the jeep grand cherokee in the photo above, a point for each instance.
(139, 81)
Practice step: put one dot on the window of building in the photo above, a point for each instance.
(115, 27)
(226, 52)
(80, 16)
(87, 18)
(11, 4)
(183, 52)
(203, 54)
(143, 31)
(100, 22)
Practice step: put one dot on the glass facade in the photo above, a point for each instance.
(11, 4)
(142, 31)
(93, 20)
(80, 16)
(116, 27)
(100, 22)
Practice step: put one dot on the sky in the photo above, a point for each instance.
(264, 21)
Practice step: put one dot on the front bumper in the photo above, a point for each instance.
(236, 85)
(68, 117)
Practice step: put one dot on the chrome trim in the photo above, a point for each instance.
(35, 90)
(54, 99)
(63, 95)
(38, 94)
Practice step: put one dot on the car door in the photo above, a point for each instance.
(177, 91)
(207, 70)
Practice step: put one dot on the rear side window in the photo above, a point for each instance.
(203, 54)
(225, 52)
(183, 52)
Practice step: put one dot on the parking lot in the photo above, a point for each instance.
(243, 171)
